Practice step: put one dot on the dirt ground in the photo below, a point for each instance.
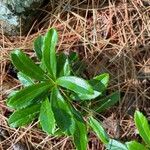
(111, 36)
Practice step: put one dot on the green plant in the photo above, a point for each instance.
(144, 131)
(141, 124)
(52, 93)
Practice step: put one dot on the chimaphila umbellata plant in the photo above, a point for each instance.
(62, 102)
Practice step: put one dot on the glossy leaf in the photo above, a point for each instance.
(38, 43)
(25, 65)
(78, 85)
(63, 66)
(25, 96)
(46, 117)
(49, 53)
(62, 112)
(116, 145)
(42, 65)
(12, 93)
(24, 79)
(84, 97)
(143, 127)
(99, 130)
(100, 82)
(80, 134)
(24, 116)
(107, 102)
(133, 145)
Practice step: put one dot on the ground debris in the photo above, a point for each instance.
(112, 38)
(3, 134)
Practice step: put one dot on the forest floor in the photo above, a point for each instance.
(111, 36)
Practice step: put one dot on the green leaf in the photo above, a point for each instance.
(42, 65)
(107, 102)
(73, 56)
(63, 66)
(38, 43)
(78, 85)
(58, 133)
(133, 145)
(62, 112)
(116, 145)
(24, 116)
(84, 97)
(49, 53)
(25, 65)
(99, 130)
(80, 133)
(143, 127)
(46, 117)
(24, 79)
(12, 93)
(100, 82)
(25, 96)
